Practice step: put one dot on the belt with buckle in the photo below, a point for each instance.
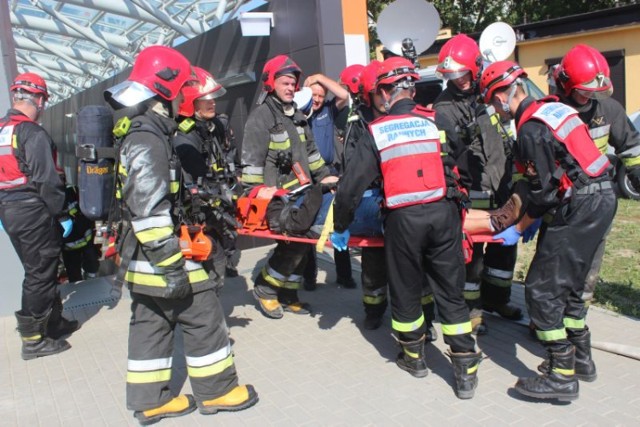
(594, 187)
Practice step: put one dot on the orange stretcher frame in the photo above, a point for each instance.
(354, 241)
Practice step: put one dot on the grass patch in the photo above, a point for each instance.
(619, 286)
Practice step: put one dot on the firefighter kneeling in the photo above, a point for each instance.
(422, 225)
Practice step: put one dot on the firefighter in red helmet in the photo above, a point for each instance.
(489, 275)
(583, 81)
(208, 171)
(570, 189)
(409, 154)
(166, 289)
(31, 205)
(278, 151)
(360, 81)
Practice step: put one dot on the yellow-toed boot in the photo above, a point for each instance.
(241, 397)
(176, 407)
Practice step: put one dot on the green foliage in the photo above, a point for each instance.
(619, 286)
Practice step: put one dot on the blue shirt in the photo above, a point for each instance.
(322, 125)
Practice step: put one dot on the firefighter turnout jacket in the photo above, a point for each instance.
(28, 163)
(274, 142)
(609, 125)
(484, 146)
(200, 148)
(361, 174)
(149, 175)
(571, 160)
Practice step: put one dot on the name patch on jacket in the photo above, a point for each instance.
(403, 130)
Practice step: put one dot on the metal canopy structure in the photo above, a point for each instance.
(75, 44)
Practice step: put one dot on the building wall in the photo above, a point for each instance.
(533, 53)
(309, 31)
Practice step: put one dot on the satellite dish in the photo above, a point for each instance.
(303, 98)
(497, 42)
(408, 27)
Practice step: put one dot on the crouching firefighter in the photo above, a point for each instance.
(207, 175)
(422, 225)
(166, 290)
(278, 151)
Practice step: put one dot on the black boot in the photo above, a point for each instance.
(585, 368)
(35, 342)
(412, 359)
(429, 312)
(465, 371)
(374, 313)
(58, 326)
(559, 382)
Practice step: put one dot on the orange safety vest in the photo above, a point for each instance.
(410, 158)
(10, 174)
(573, 133)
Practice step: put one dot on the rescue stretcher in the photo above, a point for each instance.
(251, 214)
(354, 241)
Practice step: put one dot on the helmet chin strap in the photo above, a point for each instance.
(505, 106)
(30, 99)
(392, 97)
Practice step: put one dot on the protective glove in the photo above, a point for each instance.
(67, 226)
(178, 286)
(530, 232)
(509, 237)
(340, 240)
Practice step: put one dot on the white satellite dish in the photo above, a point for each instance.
(497, 42)
(416, 20)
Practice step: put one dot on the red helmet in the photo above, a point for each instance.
(458, 56)
(158, 70)
(350, 77)
(396, 69)
(30, 82)
(205, 88)
(368, 80)
(278, 66)
(586, 71)
(498, 75)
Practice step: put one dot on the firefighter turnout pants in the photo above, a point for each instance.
(151, 348)
(37, 239)
(374, 281)
(427, 237)
(282, 275)
(565, 250)
(594, 271)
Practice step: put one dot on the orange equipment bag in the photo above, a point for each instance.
(194, 243)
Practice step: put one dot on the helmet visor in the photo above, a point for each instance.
(603, 93)
(450, 69)
(451, 75)
(213, 95)
(129, 93)
(598, 88)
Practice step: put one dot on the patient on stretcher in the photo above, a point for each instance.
(303, 213)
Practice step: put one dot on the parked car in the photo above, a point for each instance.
(623, 185)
